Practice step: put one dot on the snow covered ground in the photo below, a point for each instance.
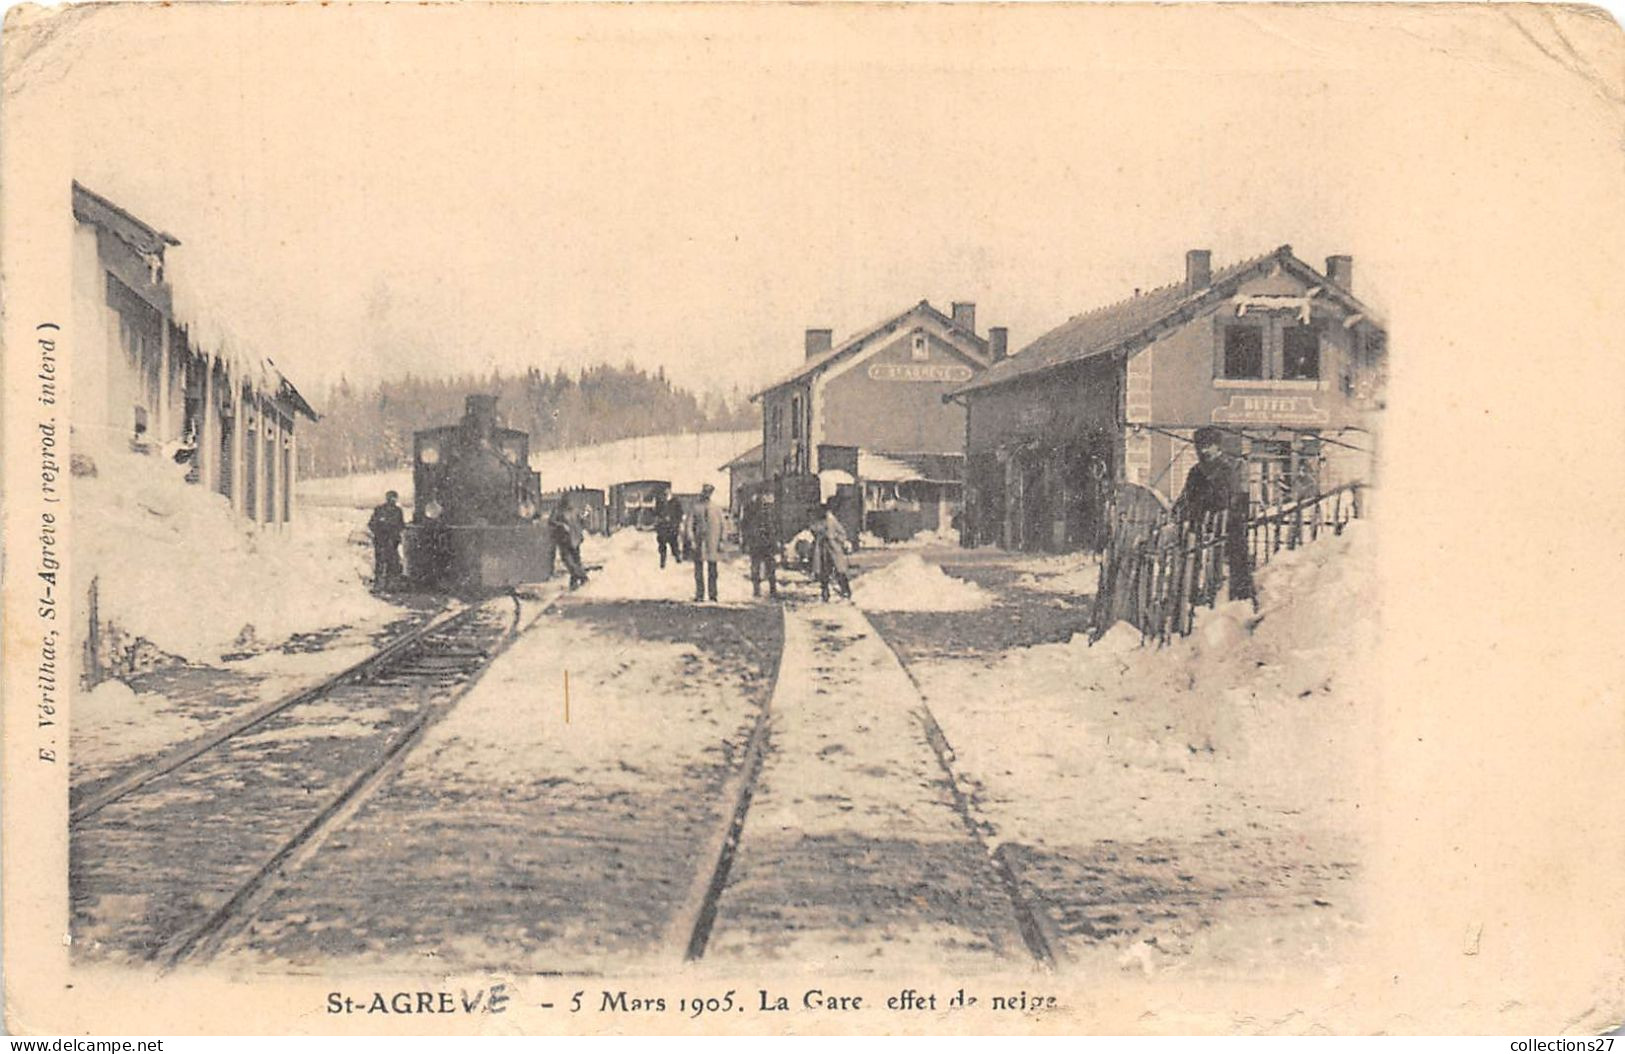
(1237, 754)
(631, 571)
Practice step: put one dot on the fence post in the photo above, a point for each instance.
(93, 669)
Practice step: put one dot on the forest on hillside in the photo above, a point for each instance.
(370, 429)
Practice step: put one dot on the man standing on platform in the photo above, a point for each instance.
(386, 525)
(705, 529)
(759, 532)
(668, 526)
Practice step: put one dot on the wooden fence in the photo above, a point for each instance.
(1157, 570)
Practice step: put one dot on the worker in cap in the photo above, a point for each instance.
(1215, 498)
(386, 525)
(705, 530)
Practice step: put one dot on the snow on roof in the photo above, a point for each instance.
(896, 468)
(225, 313)
(881, 468)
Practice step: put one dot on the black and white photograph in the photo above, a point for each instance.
(779, 519)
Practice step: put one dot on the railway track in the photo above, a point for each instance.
(172, 858)
(867, 856)
(835, 816)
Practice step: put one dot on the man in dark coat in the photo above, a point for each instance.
(759, 532)
(386, 525)
(1216, 485)
(668, 525)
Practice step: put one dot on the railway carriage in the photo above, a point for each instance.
(476, 523)
(635, 503)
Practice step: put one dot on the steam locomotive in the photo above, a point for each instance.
(475, 507)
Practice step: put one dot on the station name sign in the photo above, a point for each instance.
(1271, 410)
(941, 373)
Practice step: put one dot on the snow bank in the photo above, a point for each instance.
(112, 724)
(908, 583)
(1074, 743)
(942, 536)
(175, 565)
(1074, 573)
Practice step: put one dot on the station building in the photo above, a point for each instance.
(869, 415)
(151, 380)
(1281, 356)
(743, 471)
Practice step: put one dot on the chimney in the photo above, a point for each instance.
(819, 341)
(998, 341)
(1340, 271)
(965, 316)
(479, 414)
(1198, 270)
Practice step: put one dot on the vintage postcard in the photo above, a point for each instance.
(782, 519)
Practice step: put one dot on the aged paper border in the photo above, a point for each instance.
(1496, 883)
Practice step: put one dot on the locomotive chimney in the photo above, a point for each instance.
(480, 414)
(819, 342)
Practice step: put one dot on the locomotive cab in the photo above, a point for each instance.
(475, 504)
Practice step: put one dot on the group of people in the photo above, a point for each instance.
(566, 526)
(696, 534)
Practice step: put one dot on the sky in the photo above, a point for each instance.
(429, 190)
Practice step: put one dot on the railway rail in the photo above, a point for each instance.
(204, 833)
(883, 836)
(830, 872)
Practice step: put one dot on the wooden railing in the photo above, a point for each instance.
(1155, 572)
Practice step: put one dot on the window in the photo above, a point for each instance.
(795, 417)
(1244, 352)
(1300, 353)
(921, 350)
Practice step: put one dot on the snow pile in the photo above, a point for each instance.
(112, 724)
(1075, 743)
(942, 536)
(174, 564)
(631, 570)
(1075, 573)
(908, 583)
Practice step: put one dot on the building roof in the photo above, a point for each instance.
(90, 207)
(888, 467)
(858, 341)
(1129, 324)
(753, 455)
